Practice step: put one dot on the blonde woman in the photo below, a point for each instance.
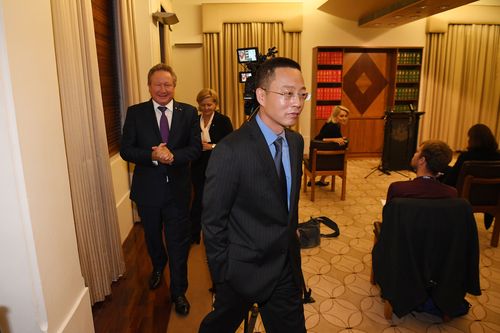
(213, 126)
(331, 132)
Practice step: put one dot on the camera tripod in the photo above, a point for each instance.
(381, 169)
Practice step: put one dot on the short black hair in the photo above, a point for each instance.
(437, 155)
(265, 72)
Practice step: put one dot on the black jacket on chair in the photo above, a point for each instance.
(427, 248)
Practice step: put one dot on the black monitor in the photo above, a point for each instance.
(244, 76)
(247, 54)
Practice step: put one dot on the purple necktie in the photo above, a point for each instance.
(164, 130)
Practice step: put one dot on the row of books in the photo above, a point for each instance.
(401, 107)
(329, 58)
(329, 94)
(323, 111)
(407, 75)
(406, 93)
(408, 58)
(329, 75)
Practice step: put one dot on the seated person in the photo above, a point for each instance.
(330, 132)
(482, 146)
(431, 158)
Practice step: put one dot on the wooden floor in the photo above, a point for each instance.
(132, 307)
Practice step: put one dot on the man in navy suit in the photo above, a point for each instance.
(161, 137)
(250, 209)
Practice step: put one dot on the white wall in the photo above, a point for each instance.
(41, 285)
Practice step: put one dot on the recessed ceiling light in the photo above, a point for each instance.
(397, 17)
(444, 7)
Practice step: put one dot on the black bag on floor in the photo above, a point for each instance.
(309, 234)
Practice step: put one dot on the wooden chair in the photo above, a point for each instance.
(426, 248)
(479, 183)
(325, 159)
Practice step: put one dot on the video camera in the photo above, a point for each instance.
(251, 59)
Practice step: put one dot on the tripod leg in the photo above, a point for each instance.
(307, 292)
(249, 324)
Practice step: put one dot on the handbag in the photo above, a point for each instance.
(309, 232)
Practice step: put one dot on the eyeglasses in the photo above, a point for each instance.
(288, 95)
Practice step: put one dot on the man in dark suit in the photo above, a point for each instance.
(250, 209)
(162, 136)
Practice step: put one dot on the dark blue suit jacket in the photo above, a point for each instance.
(141, 133)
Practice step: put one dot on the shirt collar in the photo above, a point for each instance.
(269, 135)
(170, 105)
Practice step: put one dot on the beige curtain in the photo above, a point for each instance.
(221, 66)
(129, 54)
(462, 82)
(94, 207)
(129, 67)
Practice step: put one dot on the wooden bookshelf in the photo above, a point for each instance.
(369, 81)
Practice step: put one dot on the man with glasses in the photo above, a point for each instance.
(250, 209)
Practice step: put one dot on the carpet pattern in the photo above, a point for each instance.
(338, 271)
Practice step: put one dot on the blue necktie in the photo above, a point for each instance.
(164, 130)
(278, 163)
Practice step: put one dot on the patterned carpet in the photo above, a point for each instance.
(339, 270)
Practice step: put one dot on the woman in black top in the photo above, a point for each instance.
(482, 146)
(214, 126)
(331, 132)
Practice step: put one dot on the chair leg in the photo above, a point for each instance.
(304, 187)
(387, 310)
(333, 183)
(344, 185)
(496, 231)
(313, 187)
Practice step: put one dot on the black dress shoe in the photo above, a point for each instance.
(155, 279)
(181, 305)
(322, 183)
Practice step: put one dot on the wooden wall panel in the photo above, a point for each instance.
(103, 15)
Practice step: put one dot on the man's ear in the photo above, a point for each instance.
(261, 96)
(422, 161)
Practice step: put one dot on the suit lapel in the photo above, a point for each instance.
(262, 148)
(177, 115)
(153, 122)
(295, 164)
(266, 159)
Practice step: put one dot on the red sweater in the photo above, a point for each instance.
(421, 187)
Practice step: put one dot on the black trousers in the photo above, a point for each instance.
(283, 312)
(169, 221)
(198, 179)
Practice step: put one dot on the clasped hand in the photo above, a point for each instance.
(162, 154)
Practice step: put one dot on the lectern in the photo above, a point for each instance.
(400, 139)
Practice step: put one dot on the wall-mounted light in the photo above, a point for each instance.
(166, 18)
